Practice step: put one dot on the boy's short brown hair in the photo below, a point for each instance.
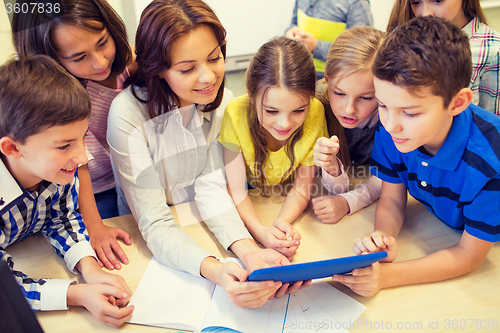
(426, 52)
(37, 93)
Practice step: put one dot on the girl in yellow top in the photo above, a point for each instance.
(271, 133)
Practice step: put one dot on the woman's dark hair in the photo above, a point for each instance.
(162, 22)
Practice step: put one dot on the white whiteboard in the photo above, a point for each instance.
(251, 23)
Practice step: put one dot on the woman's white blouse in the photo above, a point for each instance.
(148, 152)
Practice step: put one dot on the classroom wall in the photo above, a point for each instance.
(249, 24)
(493, 17)
(127, 9)
(381, 9)
(6, 47)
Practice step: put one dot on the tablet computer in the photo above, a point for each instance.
(315, 269)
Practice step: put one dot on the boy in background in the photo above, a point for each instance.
(433, 144)
(44, 115)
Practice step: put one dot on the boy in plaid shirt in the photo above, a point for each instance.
(44, 115)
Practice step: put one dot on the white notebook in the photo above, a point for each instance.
(169, 298)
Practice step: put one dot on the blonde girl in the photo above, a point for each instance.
(269, 135)
(484, 41)
(348, 95)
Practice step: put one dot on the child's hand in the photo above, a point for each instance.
(243, 293)
(291, 235)
(103, 240)
(366, 281)
(93, 274)
(375, 242)
(308, 39)
(263, 258)
(274, 238)
(99, 300)
(292, 32)
(287, 228)
(325, 154)
(330, 208)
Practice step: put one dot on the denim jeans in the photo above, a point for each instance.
(107, 203)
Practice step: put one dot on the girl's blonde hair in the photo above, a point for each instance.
(353, 51)
(402, 13)
(282, 63)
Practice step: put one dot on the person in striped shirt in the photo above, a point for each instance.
(434, 144)
(44, 115)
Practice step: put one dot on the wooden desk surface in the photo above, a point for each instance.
(466, 304)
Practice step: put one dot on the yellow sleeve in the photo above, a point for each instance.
(229, 127)
(235, 130)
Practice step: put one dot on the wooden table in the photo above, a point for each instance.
(463, 304)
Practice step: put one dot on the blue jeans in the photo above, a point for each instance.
(107, 203)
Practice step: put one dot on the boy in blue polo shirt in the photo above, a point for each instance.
(44, 114)
(431, 143)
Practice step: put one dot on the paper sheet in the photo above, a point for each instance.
(170, 298)
(343, 308)
(158, 298)
(307, 316)
(268, 318)
(321, 308)
(321, 29)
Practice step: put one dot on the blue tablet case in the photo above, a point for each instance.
(315, 269)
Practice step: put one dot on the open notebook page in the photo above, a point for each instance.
(166, 297)
(268, 318)
(321, 308)
(170, 298)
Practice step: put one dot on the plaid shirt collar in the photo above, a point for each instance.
(11, 192)
(472, 27)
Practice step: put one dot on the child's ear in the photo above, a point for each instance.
(461, 101)
(9, 147)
